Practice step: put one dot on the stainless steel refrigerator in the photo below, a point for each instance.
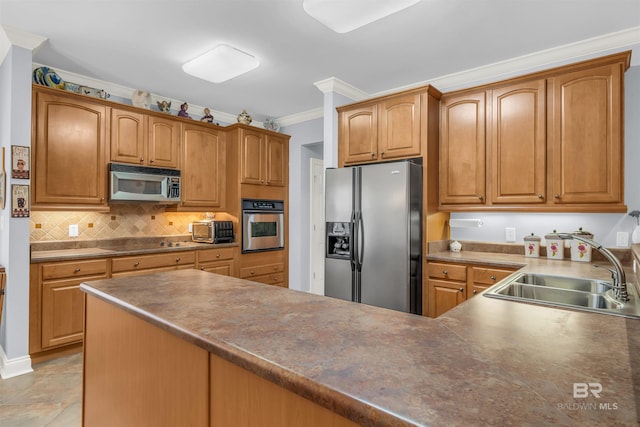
(373, 235)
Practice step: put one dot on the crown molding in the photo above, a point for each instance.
(333, 84)
(12, 36)
(292, 119)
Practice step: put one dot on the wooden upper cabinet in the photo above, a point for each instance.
(203, 168)
(69, 152)
(128, 136)
(518, 143)
(358, 130)
(399, 127)
(264, 158)
(462, 148)
(586, 135)
(164, 142)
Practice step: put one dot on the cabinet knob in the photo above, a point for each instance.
(77, 270)
(141, 159)
(137, 263)
(461, 289)
(373, 155)
(445, 272)
(492, 277)
(382, 153)
(481, 197)
(475, 291)
(540, 196)
(217, 255)
(151, 161)
(252, 272)
(556, 196)
(178, 259)
(202, 268)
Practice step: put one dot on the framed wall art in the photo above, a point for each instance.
(20, 163)
(19, 201)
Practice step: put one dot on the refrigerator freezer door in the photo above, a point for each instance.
(338, 274)
(385, 236)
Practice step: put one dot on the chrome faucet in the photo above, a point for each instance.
(618, 276)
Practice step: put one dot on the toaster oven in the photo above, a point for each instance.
(210, 231)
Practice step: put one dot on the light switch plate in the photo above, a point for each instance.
(510, 234)
(73, 230)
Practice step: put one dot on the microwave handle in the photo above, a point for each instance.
(167, 186)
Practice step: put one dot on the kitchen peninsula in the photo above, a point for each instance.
(193, 348)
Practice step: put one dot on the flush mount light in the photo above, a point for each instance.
(343, 16)
(220, 64)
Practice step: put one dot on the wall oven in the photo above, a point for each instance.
(262, 225)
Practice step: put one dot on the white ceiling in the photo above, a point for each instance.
(142, 44)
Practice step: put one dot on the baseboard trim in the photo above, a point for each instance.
(10, 368)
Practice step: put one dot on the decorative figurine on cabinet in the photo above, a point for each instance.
(141, 99)
(208, 117)
(183, 111)
(244, 118)
(164, 106)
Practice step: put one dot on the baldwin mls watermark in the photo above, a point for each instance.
(588, 391)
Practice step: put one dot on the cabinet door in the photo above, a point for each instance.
(462, 149)
(359, 135)
(127, 136)
(223, 268)
(62, 313)
(163, 146)
(69, 152)
(586, 136)
(276, 161)
(443, 296)
(399, 127)
(252, 157)
(203, 167)
(518, 143)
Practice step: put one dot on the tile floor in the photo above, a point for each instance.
(49, 396)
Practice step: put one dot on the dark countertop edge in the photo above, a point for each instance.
(345, 405)
(73, 254)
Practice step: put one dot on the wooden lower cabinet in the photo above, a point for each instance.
(451, 284)
(56, 304)
(219, 261)
(264, 267)
(145, 264)
(155, 378)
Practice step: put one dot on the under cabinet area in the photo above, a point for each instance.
(56, 304)
(451, 284)
(549, 141)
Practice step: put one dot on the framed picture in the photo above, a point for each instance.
(19, 201)
(20, 163)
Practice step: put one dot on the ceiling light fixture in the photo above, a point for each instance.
(220, 64)
(343, 16)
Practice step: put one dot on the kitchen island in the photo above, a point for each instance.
(193, 348)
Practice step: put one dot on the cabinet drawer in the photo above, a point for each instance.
(60, 270)
(447, 271)
(143, 262)
(488, 276)
(257, 270)
(218, 254)
(276, 279)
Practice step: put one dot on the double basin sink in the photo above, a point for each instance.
(568, 292)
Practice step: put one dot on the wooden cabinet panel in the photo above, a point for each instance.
(276, 166)
(80, 268)
(462, 149)
(444, 296)
(163, 142)
(257, 270)
(155, 261)
(399, 127)
(62, 313)
(69, 152)
(518, 143)
(447, 271)
(587, 136)
(264, 158)
(203, 168)
(217, 254)
(219, 261)
(128, 136)
(252, 157)
(359, 134)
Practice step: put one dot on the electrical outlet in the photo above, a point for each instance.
(510, 234)
(73, 230)
(622, 239)
(190, 227)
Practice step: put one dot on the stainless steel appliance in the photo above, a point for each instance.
(130, 183)
(211, 231)
(262, 225)
(373, 235)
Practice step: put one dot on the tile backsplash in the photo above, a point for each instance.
(122, 221)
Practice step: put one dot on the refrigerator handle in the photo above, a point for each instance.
(359, 243)
(353, 255)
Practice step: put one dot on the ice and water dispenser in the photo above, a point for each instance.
(338, 240)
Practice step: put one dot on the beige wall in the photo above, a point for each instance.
(122, 221)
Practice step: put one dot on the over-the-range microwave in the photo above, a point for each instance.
(131, 183)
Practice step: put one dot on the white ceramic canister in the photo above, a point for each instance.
(581, 251)
(555, 246)
(532, 246)
(455, 246)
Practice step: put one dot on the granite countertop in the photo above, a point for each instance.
(485, 362)
(70, 250)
